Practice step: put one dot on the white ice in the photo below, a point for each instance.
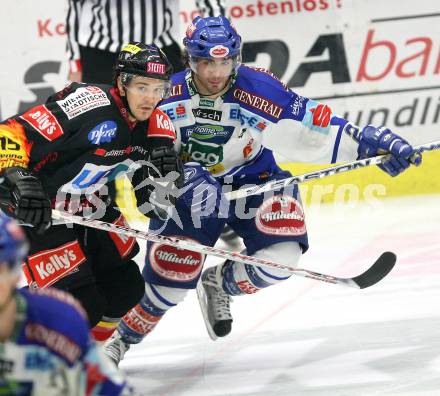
(305, 337)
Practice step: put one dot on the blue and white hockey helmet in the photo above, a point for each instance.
(13, 243)
(213, 38)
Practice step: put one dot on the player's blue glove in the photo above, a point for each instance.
(202, 193)
(376, 141)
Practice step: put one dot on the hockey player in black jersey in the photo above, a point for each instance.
(65, 154)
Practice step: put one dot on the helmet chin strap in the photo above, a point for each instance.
(125, 102)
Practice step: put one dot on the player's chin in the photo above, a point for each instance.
(144, 114)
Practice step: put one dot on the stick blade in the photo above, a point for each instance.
(379, 270)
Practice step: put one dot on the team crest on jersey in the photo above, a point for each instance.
(83, 100)
(281, 215)
(103, 132)
(189, 173)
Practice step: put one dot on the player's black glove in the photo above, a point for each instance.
(165, 160)
(157, 183)
(24, 198)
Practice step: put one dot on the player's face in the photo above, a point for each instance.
(212, 75)
(143, 95)
(8, 281)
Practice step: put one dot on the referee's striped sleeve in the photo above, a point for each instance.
(72, 28)
(211, 7)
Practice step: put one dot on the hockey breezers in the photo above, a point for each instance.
(383, 265)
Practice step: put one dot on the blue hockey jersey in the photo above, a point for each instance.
(235, 134)
(50, 351)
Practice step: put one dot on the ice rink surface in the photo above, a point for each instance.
(305, 337)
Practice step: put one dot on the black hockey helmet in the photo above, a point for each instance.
(140, 59)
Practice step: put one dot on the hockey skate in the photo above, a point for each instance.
(115, 348)
(214, 303)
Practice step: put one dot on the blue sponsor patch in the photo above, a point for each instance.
(175, 111)
(298, 107)
(247, 118)
(103, 132)
(38, 360)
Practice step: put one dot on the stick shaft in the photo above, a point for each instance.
(349, 166)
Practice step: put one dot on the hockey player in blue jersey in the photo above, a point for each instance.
(228, 119)
(45, 346)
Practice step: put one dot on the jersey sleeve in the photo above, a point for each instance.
(160, 126)
(15, 147)
(309, 131)
(28, 136)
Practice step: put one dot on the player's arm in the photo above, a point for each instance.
(309, 131)
(25, 139)
(156, 182)
(21, 194)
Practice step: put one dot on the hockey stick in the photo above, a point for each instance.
(374, 274)
(349, 166)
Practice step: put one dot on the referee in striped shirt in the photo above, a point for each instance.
(98, 29)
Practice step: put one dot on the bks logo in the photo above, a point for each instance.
(103, 133)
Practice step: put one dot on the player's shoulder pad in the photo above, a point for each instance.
(79, 99)
(262, 81)
(160, 125)
(57, 321)
(179, 89)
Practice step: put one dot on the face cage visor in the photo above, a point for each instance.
(153, 87)
(227, 66)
